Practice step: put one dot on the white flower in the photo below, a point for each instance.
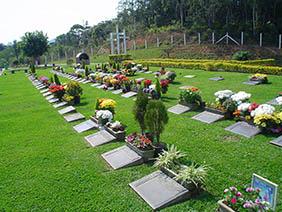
(241, 96)
(80, 71)
(134, 69)
(116, 124)
(153, 87)
(279, 100)
(223, 94)
(244, 107)
(263, 109)
(104, 114)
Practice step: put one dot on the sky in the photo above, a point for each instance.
(53, 17)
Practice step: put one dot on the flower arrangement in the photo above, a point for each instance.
(164, 85)
(147, 83)
(73, 91)
(263, 109)
(246, 200)
(140, 141)
(259, 77)
(44, 79)
(104, 116)
(116, 126)
(106, 104)
(191, 96)
(57, 90)
(221, 96)
(170, 76)
(240, 97)
(279, 100)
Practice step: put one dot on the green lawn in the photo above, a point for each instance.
(45, 165)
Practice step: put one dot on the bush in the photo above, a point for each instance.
(139, 109)
(32, 69)
(73, 89)
(158, 89)
(242, 55)
(118, 58)
(70, 62)
(156, 118)
(56, 79)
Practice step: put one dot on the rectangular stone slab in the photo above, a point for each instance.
(273, 102)
(66, 110)
(216, 79)
(50, 97)
(277, 141)
(44, 91)
(179, 109)
(54, 100)
(74, 117)
(60, 104)
(101, 86)
(148, 72)
(244, 129)
(119, 91)
(86, 81)
(252, 83)
(95, 84)
(85, 126)
(129, 94)
(99, 138)
(189, 76)
(47, 93)
(159, 190)
(122, 157)
(41, 87)
(208, 117)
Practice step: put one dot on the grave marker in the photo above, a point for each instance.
(60, 104)
(208, 117)
(66, 110)
(189, 76)
(47, 94)
(252, 82)
(129, 94)
(85, 126)
(159, 190)
(216, 78)
(277, 141)
(99, 138)
(244, 129)
(117, 91)
(185, 87)
(74, 117)
(44, 91)
(50, 97)
(122, 157)
(54, 100)
(179, 109)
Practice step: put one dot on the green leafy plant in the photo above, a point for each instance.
(158, 89)
(170, 159)
(156, 118)
(86, 71)
(242, 55)
(32, 69)
(193, 174)
(139, 109)
(191, 96)
(56, 79)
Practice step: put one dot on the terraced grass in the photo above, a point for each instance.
(45, 165)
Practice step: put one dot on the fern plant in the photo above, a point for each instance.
(170, 159)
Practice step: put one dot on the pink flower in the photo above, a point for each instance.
(238, 194)
(247, 205)
(233, 188)
(226, 190)
(257, 201)
(233, 200)
(249, 189)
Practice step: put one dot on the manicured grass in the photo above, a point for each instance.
(45, 165)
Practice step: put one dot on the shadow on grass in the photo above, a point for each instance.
(167, 99)
(83, 103)
(176, 83)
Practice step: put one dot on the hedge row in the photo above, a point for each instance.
(216, 66)
(117, 58)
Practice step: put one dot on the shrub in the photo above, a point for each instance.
(139, 109)
(32, 69)
(118, 58)
(156, 118)
(56, 79)
(86, 71)
(242, 55)
(70, 62)
(158, 89)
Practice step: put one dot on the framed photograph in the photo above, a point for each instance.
(268, 189)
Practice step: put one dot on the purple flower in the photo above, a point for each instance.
(238, 194)
(249, 189)
(247, 205)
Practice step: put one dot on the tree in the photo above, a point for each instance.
(16, 49)
(156, 118)
(139, 109)
(34, 45)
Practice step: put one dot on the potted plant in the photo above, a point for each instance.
(155, 119)
(262, 78)
(142, 145)
(191, 97)
(58, 91)
(116, 129)
(73, 90)
(104, 104)
(103, 117)
(164, 85)
(245, 200)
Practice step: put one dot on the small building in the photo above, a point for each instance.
(82, 57)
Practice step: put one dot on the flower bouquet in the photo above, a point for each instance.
(262, 78)
(246, 200)
(106, 104)
(164, 85)
(73, 91)
(103, 117)
(191, 97)
(116, 129)
(57, 90)
(147, 83)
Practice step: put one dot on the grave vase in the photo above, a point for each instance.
(224, 208)
(76, 100)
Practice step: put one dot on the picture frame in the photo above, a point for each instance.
(268, 189)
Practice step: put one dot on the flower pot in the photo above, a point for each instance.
(145, 154)
(224, 208)
(120, 135)
(76, 100)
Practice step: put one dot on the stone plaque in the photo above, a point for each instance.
(101, 86)
(47, 93)
(60, 104)
(41, 87)
(129, 94)
(54, 100)
(216, 78)
(119, 91)
(85, 126)
(159, 190)
(208, 117)
(244, 129)
(50, 97)
(252, 83)
(95, 84)
(179, 109)
(273, 102)
(277, 141)
(44, 91)
(189, 76)
(74, 117)
(66, 110)
(122, 157)
(99, 138)
(139, 79)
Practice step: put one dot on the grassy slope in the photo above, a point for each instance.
(45, 165)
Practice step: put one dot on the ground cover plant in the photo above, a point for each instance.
(45, 165)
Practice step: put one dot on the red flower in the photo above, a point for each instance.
(233, 200)
(164, 83)
(147, 83)
(253, 106)
(56, 88)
